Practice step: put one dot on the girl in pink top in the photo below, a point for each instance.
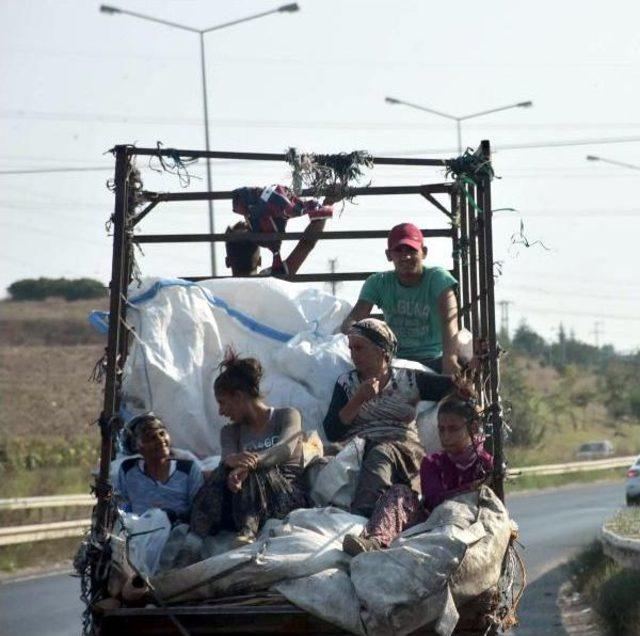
(463, 465)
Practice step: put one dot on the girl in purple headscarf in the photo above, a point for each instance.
(463, 465)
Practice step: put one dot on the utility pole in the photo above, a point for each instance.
(504, 318)
(597, 331)
(286, 8)
(562, 342)
(333, 262)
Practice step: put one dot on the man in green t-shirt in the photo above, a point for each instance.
(418, 302)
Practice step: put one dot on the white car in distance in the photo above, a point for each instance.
(595, 450)
(633, 483)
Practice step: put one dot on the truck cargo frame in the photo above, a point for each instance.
(468, 208)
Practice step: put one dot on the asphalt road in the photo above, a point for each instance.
(41, 605)
(554, 524)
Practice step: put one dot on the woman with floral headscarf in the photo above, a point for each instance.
(377, 401)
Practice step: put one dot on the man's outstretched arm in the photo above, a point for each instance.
(305, 245)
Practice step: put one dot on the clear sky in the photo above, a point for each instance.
(76, 81)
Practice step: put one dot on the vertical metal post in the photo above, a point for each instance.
(115, 337)
(465, 239)
(332, 268)
(494, 366)
(212, 245)
(473, 266)
(482, 269)
(455, 252)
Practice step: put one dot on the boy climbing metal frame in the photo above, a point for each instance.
(470, 232)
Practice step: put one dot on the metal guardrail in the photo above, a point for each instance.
(573, 467)
(13, 535)
(53, 501)
(40, 532)
(625, 551)
(43, 531)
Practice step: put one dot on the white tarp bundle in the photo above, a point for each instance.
(452, 557)
(181, 330)
(455, 555)
(335, 484)
(306, 542)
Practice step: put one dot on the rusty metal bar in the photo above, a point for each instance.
(144, 213)
(455, 247)
(117, 288)
(429, 197)
(494, 363)
(273, 236)
(473, 268)
(270, 156)
(465, 240)
(129, 220)
(299, 278)
(220, 195)
(482, 270)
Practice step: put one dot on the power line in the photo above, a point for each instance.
(65, 236)
(566, 312)
(573, 292)
(231, 122)
(497, 147)
(52, 170)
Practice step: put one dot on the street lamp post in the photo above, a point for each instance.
(458, 120)
(285, 8)
(612, 162)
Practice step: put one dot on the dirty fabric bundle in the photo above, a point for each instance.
(324, 174)
(268, 210)
(421, 579)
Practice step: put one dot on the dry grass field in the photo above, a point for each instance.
(47, 353)
(48, 442)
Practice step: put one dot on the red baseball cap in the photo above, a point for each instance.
(405, 234)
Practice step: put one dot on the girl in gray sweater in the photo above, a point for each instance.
(259, 476)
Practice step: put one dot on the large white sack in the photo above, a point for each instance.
(148, 534)
(308, 541)
(181, 330)
(328, 592)
(456, 554)
(335, 484)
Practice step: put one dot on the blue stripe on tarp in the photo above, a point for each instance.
(247, 321)
(99, 321)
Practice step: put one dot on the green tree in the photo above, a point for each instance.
(618, 386)
(568, 398)
(527, 341)
(83, 288)
(70, 289)
(523, 408)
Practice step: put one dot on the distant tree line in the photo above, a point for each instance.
(567, 350)
(69, 289)
(616, 384)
